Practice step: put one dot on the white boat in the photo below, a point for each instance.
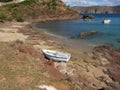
(56, 55)
(87, 19)
(106, 21)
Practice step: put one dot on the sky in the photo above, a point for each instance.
(92, 2)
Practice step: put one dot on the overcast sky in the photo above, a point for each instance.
(92, 2)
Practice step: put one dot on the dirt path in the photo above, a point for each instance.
(8, 31)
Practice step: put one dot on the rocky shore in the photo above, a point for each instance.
(24, 67)
(111, 60)
(96, 70)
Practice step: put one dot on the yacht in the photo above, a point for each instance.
(106, 21)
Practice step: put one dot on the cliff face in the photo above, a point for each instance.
(34, 9)
(98, 9)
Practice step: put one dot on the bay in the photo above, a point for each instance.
(70, 29)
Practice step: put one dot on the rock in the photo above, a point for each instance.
(85, 34)
(101, 88)
(46, 87)
(118, 40)
(111, 55)
(19, 41)
(88, 17)
(64, 69)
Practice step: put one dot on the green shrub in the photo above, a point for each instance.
(16, 12)
(52, 4)
(5, 0)
(2, 16)
(27, 2)
(20, 19)
(12, 5)
(9, 18)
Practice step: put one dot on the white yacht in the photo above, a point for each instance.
(106, 21)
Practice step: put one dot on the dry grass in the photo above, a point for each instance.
(24, 68)
(19, 68)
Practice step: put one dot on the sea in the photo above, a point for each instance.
(70, 29)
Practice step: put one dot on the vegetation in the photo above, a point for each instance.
(28, 2)
(31, 9)
(5, 0)
(17, 70)
(52, 4)
(20, 19)
(24, 68)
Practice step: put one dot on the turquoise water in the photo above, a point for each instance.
(107, 33)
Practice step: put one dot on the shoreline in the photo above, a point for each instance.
(85, 58)
(75, 44)
(83, 71)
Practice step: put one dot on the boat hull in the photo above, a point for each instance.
(106, 21)
(57, 56)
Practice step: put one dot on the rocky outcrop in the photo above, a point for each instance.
(112, 57)
(87, 16)
(89, 33)
(97, 9)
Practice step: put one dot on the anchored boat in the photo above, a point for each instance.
(106, 21)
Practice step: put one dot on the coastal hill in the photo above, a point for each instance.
(36, 9)
(97, 9)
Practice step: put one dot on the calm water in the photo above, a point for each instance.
(107, 33)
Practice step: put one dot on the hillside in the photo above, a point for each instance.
(36, 9)
(97, 9)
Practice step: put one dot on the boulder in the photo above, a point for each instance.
(85, 34)
(88, 17)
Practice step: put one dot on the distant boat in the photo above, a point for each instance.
(106, 21)
(56, 55)
(87, 19)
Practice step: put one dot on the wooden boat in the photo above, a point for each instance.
(56, 55)
(106, 21)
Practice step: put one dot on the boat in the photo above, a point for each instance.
(106, 21)
(56, 55)
(87, 19)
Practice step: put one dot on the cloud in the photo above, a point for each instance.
(79, 2)
(106, 3)
(92, 2)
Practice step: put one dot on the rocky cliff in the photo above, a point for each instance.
(97, 9)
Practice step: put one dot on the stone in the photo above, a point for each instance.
(88, 17)
(89, 33)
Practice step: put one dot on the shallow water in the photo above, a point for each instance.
(107, 33)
